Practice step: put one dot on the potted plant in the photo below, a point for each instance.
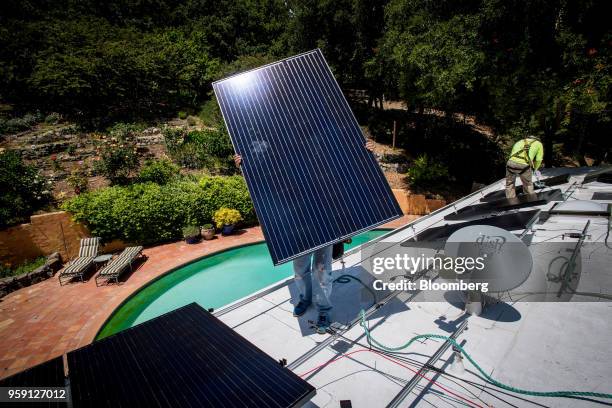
(208, 231)
(226, 219)
(191, 233)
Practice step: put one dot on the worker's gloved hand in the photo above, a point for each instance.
(538, 174)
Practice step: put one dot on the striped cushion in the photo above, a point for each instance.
(89, 247)
(116, 266)
(78, 265)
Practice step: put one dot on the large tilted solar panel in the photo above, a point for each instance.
(505, 204)
(311, 178)
(184, 358)
(47, 374)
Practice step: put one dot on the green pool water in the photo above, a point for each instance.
(213, 281)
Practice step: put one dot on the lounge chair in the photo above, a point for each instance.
(78, 266)
(119, 264)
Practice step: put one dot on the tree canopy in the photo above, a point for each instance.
(540, 66)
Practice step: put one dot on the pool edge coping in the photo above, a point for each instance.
(253, 295)
(156, 278)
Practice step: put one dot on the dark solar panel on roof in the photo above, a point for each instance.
(603, 175)
(602, 195)
(184, 358)
(505, 204)
(311, 178)
(548, 182)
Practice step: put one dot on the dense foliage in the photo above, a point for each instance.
(148, 213)
(198, 149)
(158, 171)
(426, 171)
(539, 66)
(22, 189)
(25, 267)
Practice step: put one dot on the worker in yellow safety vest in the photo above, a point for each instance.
(525, 158)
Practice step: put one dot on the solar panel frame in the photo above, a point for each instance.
(304, 205)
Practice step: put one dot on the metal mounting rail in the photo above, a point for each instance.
(342, 330)
(571, 263)
(399, 398)
(306, 356)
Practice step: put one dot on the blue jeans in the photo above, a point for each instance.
(319, 264)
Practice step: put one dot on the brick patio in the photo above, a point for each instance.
(45, 320)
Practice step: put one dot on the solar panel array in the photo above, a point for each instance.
(548, 182)
(510, 222)
(184, 358)
(311, 178)
(505, 204)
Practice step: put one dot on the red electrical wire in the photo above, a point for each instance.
(471, 402)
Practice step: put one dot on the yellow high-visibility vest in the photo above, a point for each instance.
(528, 151)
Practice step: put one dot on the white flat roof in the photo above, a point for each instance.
(542, 346)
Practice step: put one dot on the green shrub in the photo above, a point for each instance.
(77, 180)
(22, 189)
(25, 267)
(14, 125)
(158, 171)
(191, 231)
(149, 213)
(210, 113)
(53, 118)
(182, 115)
(125, 131)
(197, 149)
(117, 160)
(425, 171)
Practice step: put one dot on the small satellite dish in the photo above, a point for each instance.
(506, 262)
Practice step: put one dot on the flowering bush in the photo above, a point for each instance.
(22, 189)
(78, 179)
(117, 159)
(226, 216)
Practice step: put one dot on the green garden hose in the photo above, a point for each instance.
(382, 347)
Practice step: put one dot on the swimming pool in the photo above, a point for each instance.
(212, 282)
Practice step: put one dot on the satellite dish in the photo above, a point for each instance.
(506, 261)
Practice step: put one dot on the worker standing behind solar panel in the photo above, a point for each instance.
(319, 262)
(525, 160)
